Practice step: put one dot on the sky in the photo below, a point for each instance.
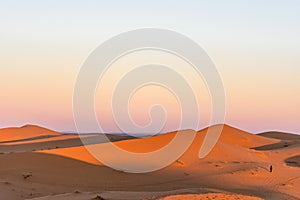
(255, 46)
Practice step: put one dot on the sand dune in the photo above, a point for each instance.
(231, 138)
(232, 168)
(285, 141)
(280, 135)
(33, 138)
(25, 132)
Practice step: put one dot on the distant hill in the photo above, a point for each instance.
(25, 132)
(280, 135)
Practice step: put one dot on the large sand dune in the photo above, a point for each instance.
(64, 169)
(27, 132)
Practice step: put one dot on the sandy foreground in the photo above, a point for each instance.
(37, 163)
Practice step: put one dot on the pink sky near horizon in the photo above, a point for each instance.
(257, 100)
(258, 106)
(255, 49)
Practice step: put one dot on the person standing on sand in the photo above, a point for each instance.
(271, 168)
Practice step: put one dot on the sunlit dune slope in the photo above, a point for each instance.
(25, 132)
(231, 139)
(210, 197)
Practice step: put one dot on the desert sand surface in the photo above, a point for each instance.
(151, 195)
(37, 163)
(210, 197)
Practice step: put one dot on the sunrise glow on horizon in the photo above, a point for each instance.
(43, 47)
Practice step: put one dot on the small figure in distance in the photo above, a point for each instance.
(271, 168)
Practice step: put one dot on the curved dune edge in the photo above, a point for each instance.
(77, 153)
(210, 196)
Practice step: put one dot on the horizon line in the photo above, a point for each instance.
(150, 133)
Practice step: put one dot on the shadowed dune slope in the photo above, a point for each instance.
(280, 135)
(293, 161)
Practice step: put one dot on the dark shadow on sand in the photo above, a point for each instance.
(30, 139)
(293, 161)
(59, 143)
(278, 145)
